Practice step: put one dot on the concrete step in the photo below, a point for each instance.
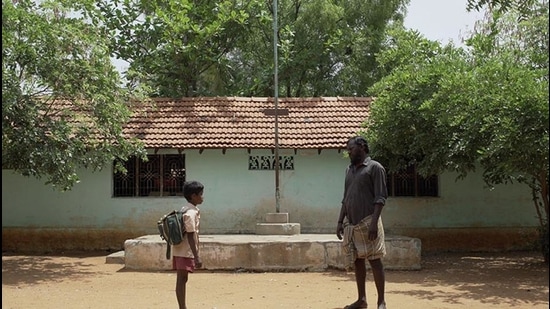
(115, 258)
(276, 217)
(277, 228)
(304, 252)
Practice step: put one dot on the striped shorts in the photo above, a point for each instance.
(365, 248)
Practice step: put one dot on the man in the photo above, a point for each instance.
(360, 223)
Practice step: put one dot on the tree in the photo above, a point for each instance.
(176, 47)
(449, 108)
(62, 103)
(521, 40)
(502, 6)
(208, 48)
(325, 48)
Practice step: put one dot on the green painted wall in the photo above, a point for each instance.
(464, 204)
(237, 198)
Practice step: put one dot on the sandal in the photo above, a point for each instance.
(356, 306)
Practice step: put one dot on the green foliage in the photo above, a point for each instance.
(449, 108)
(410, 121)
(177, 47)
(62, 104)
(503, 6)
(328, 48)
(225, 48)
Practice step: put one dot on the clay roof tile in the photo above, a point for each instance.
(242, 122)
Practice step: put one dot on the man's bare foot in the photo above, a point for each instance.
(360, 304)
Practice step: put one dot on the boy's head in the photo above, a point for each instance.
(192, 190)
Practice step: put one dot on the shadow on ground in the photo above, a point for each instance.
(513, 278)
(517, 279)
(36, 269)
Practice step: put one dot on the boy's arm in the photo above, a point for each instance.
(194, 248)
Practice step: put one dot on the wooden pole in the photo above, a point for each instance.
(276, 98)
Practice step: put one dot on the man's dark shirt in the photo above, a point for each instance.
(365, 186)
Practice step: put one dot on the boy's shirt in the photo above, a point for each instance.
(191, 221)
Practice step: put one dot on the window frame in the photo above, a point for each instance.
(162, 175)
(412, 184)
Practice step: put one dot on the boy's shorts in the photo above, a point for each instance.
(183, 263)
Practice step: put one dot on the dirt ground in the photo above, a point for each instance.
(449, 280)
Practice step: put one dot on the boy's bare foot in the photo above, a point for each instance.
(360, 304)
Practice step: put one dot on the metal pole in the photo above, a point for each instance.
(276, 97)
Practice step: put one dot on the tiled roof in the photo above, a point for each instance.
(241, 122)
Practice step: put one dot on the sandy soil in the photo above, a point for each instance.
(450, 280)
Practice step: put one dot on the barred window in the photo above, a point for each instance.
(409, 183)
(161, 175)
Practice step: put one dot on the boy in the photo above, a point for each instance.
(185, 256)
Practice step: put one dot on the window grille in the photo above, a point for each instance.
(161, 175)
(409, 183)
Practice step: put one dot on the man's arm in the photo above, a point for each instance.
(373, 227)
(340, 226)
(343, 214)
(380, 195)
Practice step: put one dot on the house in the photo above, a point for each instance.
(228, 143)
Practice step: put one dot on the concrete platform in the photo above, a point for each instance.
(304, 252)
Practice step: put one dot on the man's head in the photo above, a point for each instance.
(360, 141)
(358, 149)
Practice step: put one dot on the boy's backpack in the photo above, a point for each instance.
(172, 229)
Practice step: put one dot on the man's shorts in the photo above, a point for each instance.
(365, 248)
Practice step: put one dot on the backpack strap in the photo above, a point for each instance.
(169, 246)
